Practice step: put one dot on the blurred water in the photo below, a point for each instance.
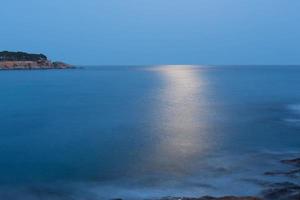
(145, 131)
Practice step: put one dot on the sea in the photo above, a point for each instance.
(146, 132)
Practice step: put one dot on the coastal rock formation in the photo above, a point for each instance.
(22, 60)
(284, 190)
(209, 198)
(292, 173)
(212, 198)
(295, 162)
(272, 191)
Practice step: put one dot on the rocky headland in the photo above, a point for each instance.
(22, 60)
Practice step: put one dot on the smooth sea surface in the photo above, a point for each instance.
(142, 132)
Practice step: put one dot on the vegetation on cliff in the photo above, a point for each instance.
(21, 56)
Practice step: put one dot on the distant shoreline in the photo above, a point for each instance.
(27, 61)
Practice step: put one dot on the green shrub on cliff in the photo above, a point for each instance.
(21, 56)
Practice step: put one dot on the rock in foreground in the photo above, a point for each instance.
(285, 190)
(213, 198)
(295, 161)
(282, 191)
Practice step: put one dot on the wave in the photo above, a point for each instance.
(294, 114)
(295, 108)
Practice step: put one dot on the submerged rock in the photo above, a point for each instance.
(291, 173)
(272, 191)
(212, 198)
(282, 191)
(295, 161)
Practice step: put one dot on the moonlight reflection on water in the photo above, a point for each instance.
(181, 108)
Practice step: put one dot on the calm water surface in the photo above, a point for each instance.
(137, 132)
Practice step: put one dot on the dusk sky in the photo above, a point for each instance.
(154, 31)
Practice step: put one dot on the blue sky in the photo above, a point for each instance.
(154, 31)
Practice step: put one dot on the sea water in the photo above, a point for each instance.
(142, 132)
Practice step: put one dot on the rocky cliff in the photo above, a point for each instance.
(22, 60)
